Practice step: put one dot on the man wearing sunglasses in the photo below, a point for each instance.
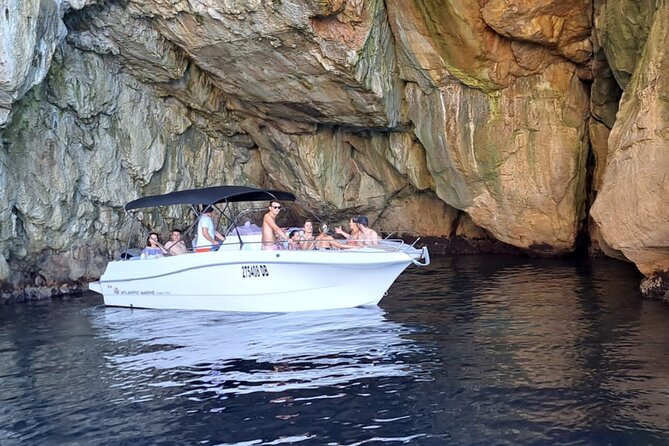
(270, 230)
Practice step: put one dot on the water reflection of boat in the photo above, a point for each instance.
(243, 277)
(245, 352)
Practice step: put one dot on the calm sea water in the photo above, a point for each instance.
(472, 350)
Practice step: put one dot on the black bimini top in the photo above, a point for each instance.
(210, 195)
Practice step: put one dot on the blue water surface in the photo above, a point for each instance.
(469, 351)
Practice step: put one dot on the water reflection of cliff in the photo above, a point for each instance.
(542, 341)
(244, 353)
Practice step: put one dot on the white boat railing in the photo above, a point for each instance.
(425, 255)
(388, 245)
(236, 239)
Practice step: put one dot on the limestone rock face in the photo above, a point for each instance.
(511, 153)
(416, 215)
(30, 31)
(622, 27)
(324, 61)
(498, 119)
(632, 207)
(562, 26)
(4, 269)
(81, 146)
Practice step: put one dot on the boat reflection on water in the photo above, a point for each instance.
(244, 353)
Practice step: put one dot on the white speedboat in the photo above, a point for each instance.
(241, 276)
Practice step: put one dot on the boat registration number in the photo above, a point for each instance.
(254, 271)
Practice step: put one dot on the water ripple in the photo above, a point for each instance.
(472, 351)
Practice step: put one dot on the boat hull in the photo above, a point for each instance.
(255, 281)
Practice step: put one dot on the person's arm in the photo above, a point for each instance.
(341, 232)
(206, 227)
(162, 248)
(277, 230)
(205, 234)
(341, 245)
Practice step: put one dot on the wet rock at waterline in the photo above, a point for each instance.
(657, 286)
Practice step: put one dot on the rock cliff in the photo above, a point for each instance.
(527, 122)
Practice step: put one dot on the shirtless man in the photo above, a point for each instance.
(367, 235)
(270, 230)
(353, 236)
(176, 245)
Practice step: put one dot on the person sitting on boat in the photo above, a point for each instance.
(307, 238)
(153, 247)
(354, 235)
(367, 235)
(176, 245)
(270, 230)
(208, 238)
(294, 240)
(326, 241)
